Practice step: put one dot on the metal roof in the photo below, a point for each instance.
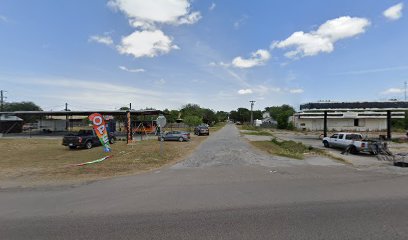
(9, 118)
(82, 113)
(355, 106)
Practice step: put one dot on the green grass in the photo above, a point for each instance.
(250, 127)
(258, 133)
(289, 149)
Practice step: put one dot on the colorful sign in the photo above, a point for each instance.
(100, 130)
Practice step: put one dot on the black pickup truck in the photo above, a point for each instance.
(84, 139)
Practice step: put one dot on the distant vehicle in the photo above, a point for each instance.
(202, 130)
(354, 142)
(84, 139)
(175, 136)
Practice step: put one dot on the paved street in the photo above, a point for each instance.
(225, 190)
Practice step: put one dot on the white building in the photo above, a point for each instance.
(348, 116)
(344, 121)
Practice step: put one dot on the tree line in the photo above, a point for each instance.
(191, 114)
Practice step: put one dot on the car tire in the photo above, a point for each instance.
(88, 145)
(353, 150)
(326, 144)
(72, 147)
(181, 139)
(112, 141)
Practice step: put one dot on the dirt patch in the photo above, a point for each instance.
(45, 161)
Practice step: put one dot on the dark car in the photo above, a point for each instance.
(84, 139)
(202, 130)
(175, 136)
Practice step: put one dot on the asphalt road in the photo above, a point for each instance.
(225, 190)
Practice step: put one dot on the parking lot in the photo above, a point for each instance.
(361, 160)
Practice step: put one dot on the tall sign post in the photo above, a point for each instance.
(128, 128)
(161, 122)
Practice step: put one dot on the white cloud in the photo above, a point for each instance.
(146, 44)
(107, 40)
(324, 38)
(147, 17)
(3, 18)
(158, 11)
(296, 90)
(257, 58)
(245, 91)
(191, 18)
(221, 64)
(394, 12)
(160, 82)
(393, 91)
(136, 70)
(240, 22)
(212, 7)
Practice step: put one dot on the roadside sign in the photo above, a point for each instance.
(161, 121)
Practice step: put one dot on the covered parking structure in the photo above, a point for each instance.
(331, 107)
(125, 113)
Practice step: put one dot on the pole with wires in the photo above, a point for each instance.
(252, 108)
(2, 97)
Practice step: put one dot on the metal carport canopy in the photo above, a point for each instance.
(325, 107)
(83, 113)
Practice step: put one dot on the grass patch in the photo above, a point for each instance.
(29, 161)
(217, 126)
(249, 127)
(258, 133)
(289, 149)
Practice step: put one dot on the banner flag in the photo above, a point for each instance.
(100, 130)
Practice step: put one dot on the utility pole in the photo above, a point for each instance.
(66, 117)
(130, 106)
(252, 107)
(405, 85)
(2, 97)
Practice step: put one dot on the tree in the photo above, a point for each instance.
(191, 110)
(221, 116)
(192, 121)
(23, 106)
(244, 114)
(281, 114)
(171, 115)
(209, 116)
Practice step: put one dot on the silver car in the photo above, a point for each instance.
(175, 136)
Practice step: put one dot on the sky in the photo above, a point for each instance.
(219, 54)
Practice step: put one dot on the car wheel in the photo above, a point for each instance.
(88, 145)
(72, 147)
(326, 144)
(112, 141)
(181, 139)
(353, 150)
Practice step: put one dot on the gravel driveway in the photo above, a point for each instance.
(226, 147)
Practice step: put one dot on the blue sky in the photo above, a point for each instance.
(219, 54)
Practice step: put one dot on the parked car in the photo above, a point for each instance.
(353, 142)
(202, 130)
(175, 136)
(84, 139)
